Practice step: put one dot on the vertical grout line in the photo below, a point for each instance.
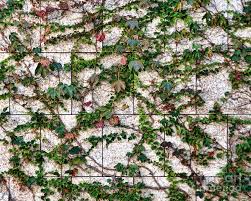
(95, 70)
(102, 18)
(176, 45)
(96, 49)
(228, 24)
(164, 151)
(40, 26)
(196, 199)
(40, 139)
(133, 96)
(228, 159)
(9, 99)
(71, 198)
(9, 189)
(59, 77)
(102, 152)
(71, 85)
(133, 86)
(59, 80)
(165, 40)
(61, 165)
(196, 91)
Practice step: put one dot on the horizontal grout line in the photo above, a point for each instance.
(143, 176)
(85, 52)
(135, 114)
(59, 9)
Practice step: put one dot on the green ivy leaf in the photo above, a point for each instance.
(41, 70)
(120, 167)
(56, 66)
(133, 42)
(53, 93)
(75, 150)
(30, 181)
(236, 56)
(68, 90)
(78, 160)
(132, 24)
(17, 140)
(248, 59)
(37, 50)
(142, 157)
(120, 49)
(200, 194)
(60, 130)
(208, 17)
(133, 169)
(136, 65)
(167, 85)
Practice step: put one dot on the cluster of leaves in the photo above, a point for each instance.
(62, 91)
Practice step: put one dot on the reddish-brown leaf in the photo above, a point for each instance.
(100, 37)
(114, 120)
(70, 136)
(45, 62)
(238, 75)
(42, 14)
(49, 9)
(119, 85)
(123, 60)
(2, 5)
(63, 5)
(88, 103)
(65, 190)
(74, 172)
(211, 153)
(100, 124)
(168, 107)
(136, 37)
(227, 60)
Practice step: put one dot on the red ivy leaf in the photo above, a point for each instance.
(41, 13)
(123, 60)
(114, 120)
(100, 36)
(211, 154)
(100, 124)
(65, 190)
(69, 136)
(238, 75)
(88, 103)
(45, 62)
(74, 172)
(2, 5)
(63, 5)
(49, 9)
(168, 107)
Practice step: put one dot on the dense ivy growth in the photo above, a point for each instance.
(83, 81)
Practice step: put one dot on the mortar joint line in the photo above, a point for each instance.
(228, 141)
(102, 151)
(164, 150)
(71, 85)
(136, 114)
